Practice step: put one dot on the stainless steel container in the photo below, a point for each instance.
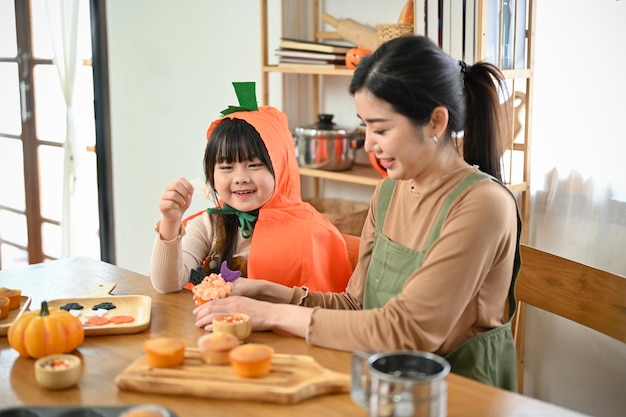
(400, 383)
(323, 145)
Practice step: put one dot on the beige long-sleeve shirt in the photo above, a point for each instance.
(459, 292)
(172, 261)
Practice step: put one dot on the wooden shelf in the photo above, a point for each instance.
(517, 188)
(517, 73)
(359, 174)
(308, 69)
(366, 175)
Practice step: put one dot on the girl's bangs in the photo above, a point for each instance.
(238, 147)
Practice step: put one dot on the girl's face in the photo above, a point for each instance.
(245, 185)
(404, 150)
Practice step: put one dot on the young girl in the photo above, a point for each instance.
(261, 226)
(439, 250)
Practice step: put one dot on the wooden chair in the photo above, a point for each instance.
(585, 295)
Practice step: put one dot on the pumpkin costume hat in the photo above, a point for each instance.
(292, 243)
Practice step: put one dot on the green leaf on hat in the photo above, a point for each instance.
(246, 94)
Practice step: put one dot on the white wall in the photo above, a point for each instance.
(171, 67)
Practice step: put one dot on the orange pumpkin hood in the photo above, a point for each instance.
(292, 243)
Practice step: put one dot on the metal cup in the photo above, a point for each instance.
(400, 383)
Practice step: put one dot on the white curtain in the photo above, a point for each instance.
(63, 24)
(578, 193)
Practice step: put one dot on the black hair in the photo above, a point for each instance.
(233, 140)
(414, 76)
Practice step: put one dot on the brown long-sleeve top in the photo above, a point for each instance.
(459, 292)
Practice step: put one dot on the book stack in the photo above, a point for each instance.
(296, 53)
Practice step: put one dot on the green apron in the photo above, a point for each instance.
(488, 357)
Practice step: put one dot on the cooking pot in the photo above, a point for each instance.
(326, 146)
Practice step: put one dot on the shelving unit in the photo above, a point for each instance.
(519, 77)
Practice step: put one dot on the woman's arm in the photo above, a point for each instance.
(265, 315)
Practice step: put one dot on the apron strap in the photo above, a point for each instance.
(445, 209)
(382, 204)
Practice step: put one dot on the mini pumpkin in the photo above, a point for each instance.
(354, 56)
(43, 332)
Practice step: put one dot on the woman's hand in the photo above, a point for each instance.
(259, 311)
(264, 315)
(175, 200)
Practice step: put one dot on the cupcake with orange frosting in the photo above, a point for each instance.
(215, 286)
(212, 287)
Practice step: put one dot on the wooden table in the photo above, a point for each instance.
(107, 356)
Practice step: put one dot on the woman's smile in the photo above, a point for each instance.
(386, 163)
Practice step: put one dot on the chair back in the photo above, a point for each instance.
(586, 295)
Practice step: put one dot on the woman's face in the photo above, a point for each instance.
(403, 149)
(246, 185)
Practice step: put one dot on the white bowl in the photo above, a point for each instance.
(58, 371)
(237, 324)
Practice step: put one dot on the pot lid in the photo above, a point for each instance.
(324, 125)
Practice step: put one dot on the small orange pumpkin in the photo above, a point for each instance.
(354, 56)
(45, 332)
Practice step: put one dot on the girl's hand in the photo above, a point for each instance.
(175, 200)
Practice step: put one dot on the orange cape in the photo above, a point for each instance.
(292, 244)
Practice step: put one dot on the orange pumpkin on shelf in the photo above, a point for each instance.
(376, 164)
(45, 332)
(354, 56)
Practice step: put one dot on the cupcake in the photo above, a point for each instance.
(210, 288)
(251, 360)
(4, 307)
(214, 347)
(164, 352)
(13, 295)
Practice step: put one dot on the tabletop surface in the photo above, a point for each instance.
(105, 357)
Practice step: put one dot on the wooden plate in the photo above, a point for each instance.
(138, 306)
(292, 379)
(14, 314)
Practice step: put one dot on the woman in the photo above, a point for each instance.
(440, 247)
(261, 226)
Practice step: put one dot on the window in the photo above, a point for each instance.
(33, 135)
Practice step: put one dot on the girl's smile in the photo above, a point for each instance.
(245, 186)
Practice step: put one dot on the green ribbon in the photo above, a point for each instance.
(246, 220)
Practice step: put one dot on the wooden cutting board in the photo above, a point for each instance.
(293, 378)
